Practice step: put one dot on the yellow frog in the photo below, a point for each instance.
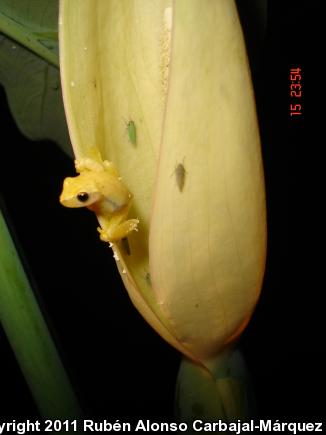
(99, 188)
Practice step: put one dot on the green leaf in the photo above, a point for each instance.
(33, 24)
(28, 53)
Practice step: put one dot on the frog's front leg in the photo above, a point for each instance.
(116, 227)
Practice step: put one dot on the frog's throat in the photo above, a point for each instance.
(105, 207)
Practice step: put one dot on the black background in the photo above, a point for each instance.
(119, 366)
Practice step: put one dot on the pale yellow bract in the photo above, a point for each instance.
(179, 70)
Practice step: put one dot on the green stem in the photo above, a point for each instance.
(222, 392)
(44, 44)
(29, 336)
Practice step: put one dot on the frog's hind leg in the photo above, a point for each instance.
(117, 232)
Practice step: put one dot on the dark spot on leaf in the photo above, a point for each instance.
(125, 245)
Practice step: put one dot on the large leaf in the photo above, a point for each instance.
(179, 71)
(32, 23)
(28, 55)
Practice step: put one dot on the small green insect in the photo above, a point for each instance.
(132, 134)
(180, 175)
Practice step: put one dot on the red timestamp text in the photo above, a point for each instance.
(295, 91)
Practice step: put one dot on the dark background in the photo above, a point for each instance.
(119, 366)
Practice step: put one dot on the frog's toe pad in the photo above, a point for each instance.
(103, 235)
(133, 224)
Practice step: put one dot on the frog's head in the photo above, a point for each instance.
(80, 191)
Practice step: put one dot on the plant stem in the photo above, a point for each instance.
(223, 392)
(29, 336)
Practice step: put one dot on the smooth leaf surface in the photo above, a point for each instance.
(112, 72)
(34, 94)
(214, 254)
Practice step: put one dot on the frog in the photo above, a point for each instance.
(99, 187)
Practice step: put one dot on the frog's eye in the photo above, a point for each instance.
(83, 196)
